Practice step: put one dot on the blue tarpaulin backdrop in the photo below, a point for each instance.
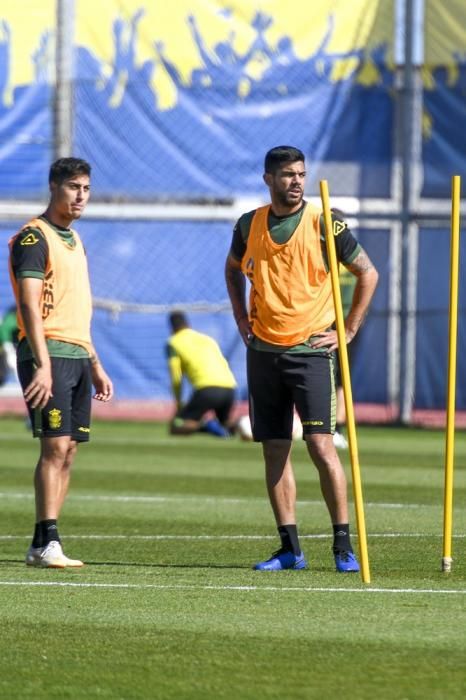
(185, 111)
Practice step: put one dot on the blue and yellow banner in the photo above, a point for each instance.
(189, 95)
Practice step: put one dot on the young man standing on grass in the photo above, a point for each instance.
(288, 332)
(57, 362)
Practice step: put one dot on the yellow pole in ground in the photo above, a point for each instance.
(345, 376)
(451, 389)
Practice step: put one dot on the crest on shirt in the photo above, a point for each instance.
(30, 239)
(338, 227)
(55, 418)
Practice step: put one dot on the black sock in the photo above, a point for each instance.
(37, 537)
(341, 538)
(289, 538)
(49, 532)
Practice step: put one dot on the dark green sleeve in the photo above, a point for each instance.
(241, 234)
(346, 245)
(29, 254)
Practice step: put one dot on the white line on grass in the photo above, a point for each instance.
(202, 499)
(278, 589)
(229, 537)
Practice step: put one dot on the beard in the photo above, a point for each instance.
(289, 199)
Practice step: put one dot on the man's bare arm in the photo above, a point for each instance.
(366, 283)
(102, 383)
(368, 276)
(236, 286)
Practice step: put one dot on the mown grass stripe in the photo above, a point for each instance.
(208, 587)
(201, 499)
(229, 537)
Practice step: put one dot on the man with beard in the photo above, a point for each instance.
(290, 342)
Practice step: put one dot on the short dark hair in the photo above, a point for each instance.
(178, 321)
(279, 155)
(64, 168)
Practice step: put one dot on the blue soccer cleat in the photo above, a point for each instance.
(281, 560)
(345, 562)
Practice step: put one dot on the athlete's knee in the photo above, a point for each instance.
(320, 447)
(56, 450)
(276, 451)
(71, 454)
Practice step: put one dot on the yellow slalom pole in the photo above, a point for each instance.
(345, 375)
(451, 388)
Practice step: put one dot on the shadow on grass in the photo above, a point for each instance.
(125, 564)
(167, 566)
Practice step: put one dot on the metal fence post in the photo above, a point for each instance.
(63, 97)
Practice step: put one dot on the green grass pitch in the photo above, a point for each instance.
(167, 605)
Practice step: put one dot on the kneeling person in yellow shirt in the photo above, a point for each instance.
(197, 357)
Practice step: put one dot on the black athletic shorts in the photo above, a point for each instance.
(278, 382)
(68, 411)
(210, 398)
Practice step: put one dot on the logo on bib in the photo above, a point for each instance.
(30, 239)
(338, 227)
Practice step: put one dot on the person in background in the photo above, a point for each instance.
(198, 358)
(8, 343)
(290, 342)
(57, 362)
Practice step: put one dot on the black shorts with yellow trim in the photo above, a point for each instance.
(218, 399)
(68, 411)
(280, 382)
